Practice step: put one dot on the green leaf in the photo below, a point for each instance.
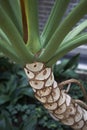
(4, 99)
(28, 91)
(12, 33)
(4, 37)
(12, 8)
(30, 124)
(78, 29)
(2, 122)
(16, 95)
(31, 9)
(54, 20)
(64, 49)
(11, 85)
(70, 74)
(1, 54)
(73, 17)
(8, 124)
(63, 69)
(72, 62)
(9, 51)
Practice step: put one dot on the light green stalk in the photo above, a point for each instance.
(54, 20)
(9, 52)
(15, 38)
(77, 30)
(31, 9)
(73, 43)
(62, 30)
(12, 8)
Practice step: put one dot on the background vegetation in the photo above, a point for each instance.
(19, 110)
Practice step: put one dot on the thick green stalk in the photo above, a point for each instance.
(9, 52)
(67, 24)
(15, 38)
(54, 19)
(31, 10)
(77, 30)
(12, 8)
(64, 49)
(4, 37)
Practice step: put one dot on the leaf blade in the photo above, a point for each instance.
(31, 10)
(7, 25)
(62, 30)
(54, 20)
(78, 29)
(12, 8)
(77, 41)
(8, 51)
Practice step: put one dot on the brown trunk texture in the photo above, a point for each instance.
(60, 105)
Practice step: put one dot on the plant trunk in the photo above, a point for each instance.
(60, 105)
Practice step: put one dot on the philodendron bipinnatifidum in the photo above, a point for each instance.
(21, 41)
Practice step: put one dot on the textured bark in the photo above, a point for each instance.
(60, 105)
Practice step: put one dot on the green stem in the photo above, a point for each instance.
(16, 40)
(77, 30)
(4, 37)
(67, 24)
(12, 8)
(31, 9)
(75, 42)
(9, 52)
(54, 19)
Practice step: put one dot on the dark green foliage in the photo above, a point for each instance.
(76, 92)
(5, 121)
(13, 83)
(19, 110)
(66, 69)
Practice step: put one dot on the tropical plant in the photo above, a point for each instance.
(21, 42)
